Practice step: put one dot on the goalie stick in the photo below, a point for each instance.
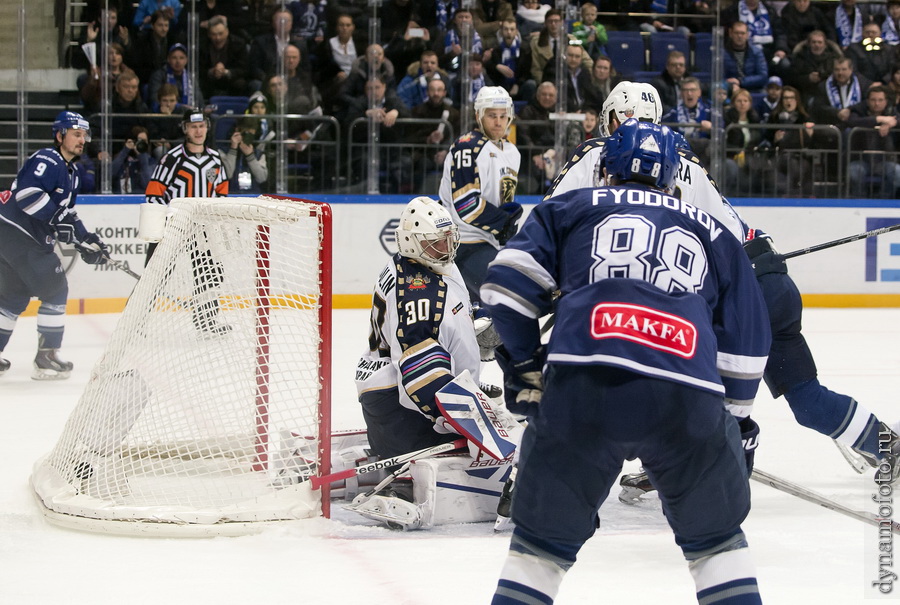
(121, 266)
(843, 240)
(378, 465)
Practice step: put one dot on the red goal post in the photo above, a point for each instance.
(210, 408)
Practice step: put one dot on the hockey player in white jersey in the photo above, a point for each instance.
(422, 337)
(693, 183)
(478, 187)
(791, 370)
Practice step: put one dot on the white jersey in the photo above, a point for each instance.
(422, 334)
(693, 183)
(479, 177)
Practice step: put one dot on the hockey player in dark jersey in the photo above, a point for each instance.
(791, 370)
(659, 345)
(34, 215)
(194, 170)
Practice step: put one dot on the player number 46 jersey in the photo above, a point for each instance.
(693, 183)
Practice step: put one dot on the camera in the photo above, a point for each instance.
(248, 138)
(141, 146)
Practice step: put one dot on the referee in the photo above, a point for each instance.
(193, 170)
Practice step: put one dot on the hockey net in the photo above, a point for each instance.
(210, 406)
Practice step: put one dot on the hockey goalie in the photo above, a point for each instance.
(418, 386)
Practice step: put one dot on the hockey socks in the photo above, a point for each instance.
(726, 578)
(833, 414)
(530, 575)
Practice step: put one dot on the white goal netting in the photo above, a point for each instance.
(210, 404)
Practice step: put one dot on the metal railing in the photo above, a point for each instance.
(541, 161)
(404, 166)
(772, 169)
(872, 173)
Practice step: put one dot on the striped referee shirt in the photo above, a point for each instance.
(184, 174)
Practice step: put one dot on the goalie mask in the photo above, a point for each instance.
(426, 233)
(630, 100)
(493, 97)
(642, 152)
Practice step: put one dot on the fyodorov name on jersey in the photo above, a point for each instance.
(641, 197)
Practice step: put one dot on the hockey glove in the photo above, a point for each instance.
(749, 440)
(763, 257)
(68, 227)
(487, 337)
(514, 209)
(523, 381)
(93, 251)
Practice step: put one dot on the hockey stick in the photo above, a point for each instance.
(378, 465)
(843, 240)
(121, 266)
(364, 497)
(811, 496)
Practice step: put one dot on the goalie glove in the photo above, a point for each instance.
(523, 381)
(93, 251)
(749, 440)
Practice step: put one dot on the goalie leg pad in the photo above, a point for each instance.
(458, 489)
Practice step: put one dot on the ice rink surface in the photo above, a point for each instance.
(805, 554)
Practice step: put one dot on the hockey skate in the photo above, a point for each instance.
(504, 522)
(47, 366)
(4, 365)
(209, 326)
(206, 319)
(888, 470)
(392, 506)
(860, 461)
(100, 479)
(634, 486)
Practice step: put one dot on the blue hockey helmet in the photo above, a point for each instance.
(643, 152)
(69, 119)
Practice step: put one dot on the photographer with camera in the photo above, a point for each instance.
(133, 165)
(244, 161)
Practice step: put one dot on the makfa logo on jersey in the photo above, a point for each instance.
(645, 326)
(883, 252)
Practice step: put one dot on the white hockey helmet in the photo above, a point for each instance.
(630, 100)
(427, 234)
(493, 97)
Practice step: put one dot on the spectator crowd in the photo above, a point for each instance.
(800, 80)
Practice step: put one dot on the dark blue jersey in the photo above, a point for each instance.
(45, 186)
(648, 283)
